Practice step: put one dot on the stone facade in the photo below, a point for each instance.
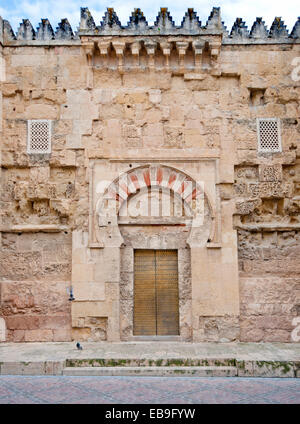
(149, 115)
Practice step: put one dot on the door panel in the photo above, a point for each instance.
(156, 297)
(144, 320)
(167, 292)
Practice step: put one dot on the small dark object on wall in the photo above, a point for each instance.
(78, 345)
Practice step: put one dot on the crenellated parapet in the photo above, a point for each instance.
(259, 34)
(164, 25)
(44, 34)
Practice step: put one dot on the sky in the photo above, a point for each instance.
(16, 10)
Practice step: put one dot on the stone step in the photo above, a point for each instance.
(245, 368)
(153, 371)
(148, 362)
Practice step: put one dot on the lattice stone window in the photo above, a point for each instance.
(269, 137)
(39, 136)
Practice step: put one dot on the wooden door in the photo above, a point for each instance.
(156, 308)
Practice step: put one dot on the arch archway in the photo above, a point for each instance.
(148, 178)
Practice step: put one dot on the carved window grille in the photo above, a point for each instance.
(269, 137)
(39, 136)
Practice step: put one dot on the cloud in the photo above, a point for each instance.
(54, 10)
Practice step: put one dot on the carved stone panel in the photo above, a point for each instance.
(271, 173)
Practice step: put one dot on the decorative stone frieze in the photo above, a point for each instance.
(271, 189)
(246, 207)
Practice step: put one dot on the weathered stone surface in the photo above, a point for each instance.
(159, 121)
(35, 275)
(220, 329)
(269, 284)
(270, 173)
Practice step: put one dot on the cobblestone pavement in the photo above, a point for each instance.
(139, 390)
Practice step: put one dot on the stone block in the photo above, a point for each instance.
(82, 126)
(54, 367)
(79, 239)
(103, 96)
(23, 368)
(38, 335)
(81, 334)
(78, 96)
(109, 267)
(18, 336)
(244, 368)
(112, 129)
(89, 291)
(155, 96)
(32, 60)
(82, 272)
(271, 173)
(21, 322)
(173, 137)
(90, 309)
(8, 89)
(55, 322)
(73, 141)
(62, 335)
(41, 111)
(273, 369)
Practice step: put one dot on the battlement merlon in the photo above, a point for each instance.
(137, 25)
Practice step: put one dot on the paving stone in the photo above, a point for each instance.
(144, 390)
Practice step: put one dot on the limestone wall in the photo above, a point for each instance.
(269, 284)
(122, 99)
(35, 275)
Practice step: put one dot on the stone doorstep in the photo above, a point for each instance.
(153, 371)
(158, 367)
